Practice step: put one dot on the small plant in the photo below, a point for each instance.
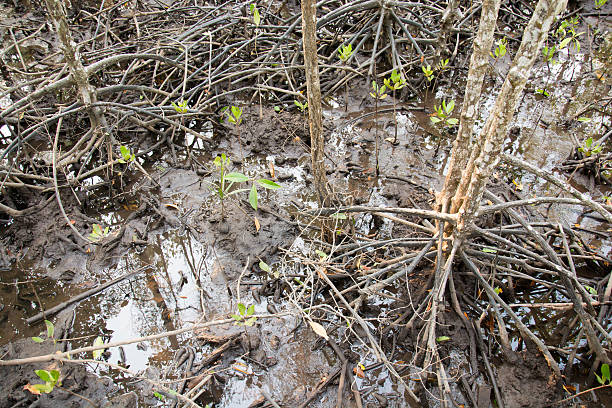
(567, 33)
(255, 13)
(223, 186)
(345, 52)
(234, 116)
(442, 65)
(442, 114)
(379, 93)
(428, 72)
(127, 156)
(301, 106)
(97, 233)
(245, 315)
(588, 148)
(50, 333)
(266, 268)
(549, 53)
(600, 3)
(394, 82)
(605, 375)
(500, 48)
(542, 92)
(51, 379)
(181, 106)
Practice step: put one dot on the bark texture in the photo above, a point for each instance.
(486, 153)
(313, 89)
(479, 65)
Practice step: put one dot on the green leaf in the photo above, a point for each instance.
(277, 108)
(236, 317)
(55, 375)
(250, 322)
(584, 119)
(450, 106)
(605, 372)
(44, 375)
(338, 216)
(256, 17)
(489, 250)
(253, 197)
(44, 388)
(452, 121)
(435, 120)
(270, 185)
(442, 339)
(159, 396)
(37, 339)
(236, 177)
(241, 309)
(564, 43)
(321, 254)
(236, 112)
(590, 289)
(264, 266)
(50, 329)
(250, 310)
(97, 343)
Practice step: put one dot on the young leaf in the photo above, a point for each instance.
(318, 329)
(250, 310)
(564, 43)
(241, 309)
(452, 121)
(44, 375)
(435, 120)
(338, 216)
(159, 396)
(264, 266)
(605, 372)
(253, 197)
(442, 339)
(98, 353)
(270, 185)
(55, 375)
(250, 322)
(50, 329)
(236, 177)
(321, 254)
(37, 339)
(236, 317)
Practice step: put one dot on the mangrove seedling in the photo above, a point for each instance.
(500, 49)
(600, 3)
(234, 116)
(127, 156)
(378, 93)
(345, 52)
(223, 186)
(428, 72)
(442, 114)
(50, 333)
(97, 233)
(51, 379)
(588, 148)
(605, 375)
(549, 53)
(255, 13)
(266, 268)
(394, 82)
(245, 315)
(181, 106)
(301, 106)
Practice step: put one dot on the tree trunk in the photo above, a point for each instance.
(485, 154)
(479, 65)
(313, 89)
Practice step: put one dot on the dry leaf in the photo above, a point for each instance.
(271, 167)
(320, 330)
(257, 225)
(358, 372)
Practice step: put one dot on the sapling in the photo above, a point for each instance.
(344, 54)
(234, 115)
(428, 72)
(395, 81)
(51, 379)
(378, 93)
(442, 114)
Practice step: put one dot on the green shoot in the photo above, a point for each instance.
(588, 148)
(605, 375)
(181, 106)
(301, 106)
(500, 48)
(51, 379)
(442, 114)
(428, 72)
(379, 92)
(127, 155)
(97, 233)
(245, 315)
(256, 16)
(600, 3)
(345, 52)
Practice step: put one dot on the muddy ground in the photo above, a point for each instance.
(192, 258)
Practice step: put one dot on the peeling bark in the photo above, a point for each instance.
(313, 89)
